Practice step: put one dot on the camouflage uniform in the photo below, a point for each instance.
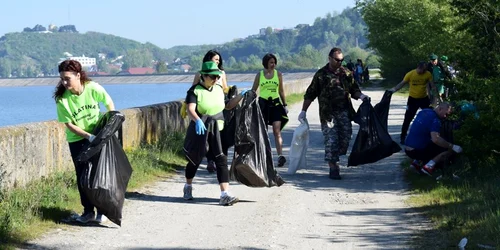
(333, 90)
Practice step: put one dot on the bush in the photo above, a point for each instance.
(478, 136)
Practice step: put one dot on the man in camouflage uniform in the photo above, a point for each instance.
(333, 85)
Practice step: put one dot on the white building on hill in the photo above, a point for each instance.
(86, 62)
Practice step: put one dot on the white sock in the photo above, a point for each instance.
(224, 193)
(431, 163)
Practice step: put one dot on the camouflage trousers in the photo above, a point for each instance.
(337, 134)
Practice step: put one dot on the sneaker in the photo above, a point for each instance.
(281, 161)
(228, 200)
(211, 167)
(334, 174)
(86, 218)
(101, 218)
(427, 170)
(188, 192)
(417, 165)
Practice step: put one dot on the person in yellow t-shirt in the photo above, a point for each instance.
(77, 99)
(419, 80)
(272, 100)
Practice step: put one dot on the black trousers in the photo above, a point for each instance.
(412, 107)
(75, 148)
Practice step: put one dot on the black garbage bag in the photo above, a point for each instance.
(373, 142)
(106, 178)
(253, 160)
(382, 108)
(228, 133)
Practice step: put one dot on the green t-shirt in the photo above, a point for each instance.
(82, 110)
(208, 101)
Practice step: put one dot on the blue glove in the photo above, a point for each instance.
(200, 127)
(244, 91)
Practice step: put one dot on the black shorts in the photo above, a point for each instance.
(272, 111)
(426, 154)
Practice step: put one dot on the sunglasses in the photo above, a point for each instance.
(337, 60)
(214, 77)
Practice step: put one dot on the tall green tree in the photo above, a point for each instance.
(405, 32)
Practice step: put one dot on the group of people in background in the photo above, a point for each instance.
(428, 92)
(77, 100)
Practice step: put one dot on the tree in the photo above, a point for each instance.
(161, 67)
(269, 31)
(405, 32)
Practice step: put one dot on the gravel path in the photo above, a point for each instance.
(364, 210)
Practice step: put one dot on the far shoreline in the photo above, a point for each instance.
(146, 79)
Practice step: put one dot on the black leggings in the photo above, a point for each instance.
(220, 160)
(75, 148)
(412, 107)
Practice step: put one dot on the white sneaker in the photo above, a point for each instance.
(101, 218)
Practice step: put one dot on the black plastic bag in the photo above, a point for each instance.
(228, 132)
(373, 142)
(253, 160)
(382, 108)
(106, 178)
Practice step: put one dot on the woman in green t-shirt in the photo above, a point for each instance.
(77, 99)
(205, 103)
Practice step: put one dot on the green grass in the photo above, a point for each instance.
(467, 208)
(28, 212)
(294, 98)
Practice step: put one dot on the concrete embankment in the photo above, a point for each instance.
(31, 151)
(127, 79)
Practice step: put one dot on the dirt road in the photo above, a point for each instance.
(364, 210)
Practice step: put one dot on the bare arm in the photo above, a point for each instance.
(256, 82)
(399, 86)
(110, 106)
(438, 140)
(281, 89)
(234, 101)
(223, 80)
(191, 111)
(196, 79)
(77, 130)
(306, 104)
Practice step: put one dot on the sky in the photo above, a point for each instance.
(167, 23)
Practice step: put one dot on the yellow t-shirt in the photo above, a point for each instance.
(418, 83)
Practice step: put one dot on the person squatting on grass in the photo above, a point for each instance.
(77, 99)
(214, 56)
(205, 104)
(333, 85)
(272, 91)
(424, 143)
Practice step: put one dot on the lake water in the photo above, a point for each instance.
(35, 103)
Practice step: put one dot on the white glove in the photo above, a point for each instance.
(302, 115)
(91, 137)
(286, 109)
(457, 149)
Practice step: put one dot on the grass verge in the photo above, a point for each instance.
(469, 208)
(26, 213)
(294, 98)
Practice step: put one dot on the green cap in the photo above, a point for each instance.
(444, 58)
(210, 68)
(433, 57)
